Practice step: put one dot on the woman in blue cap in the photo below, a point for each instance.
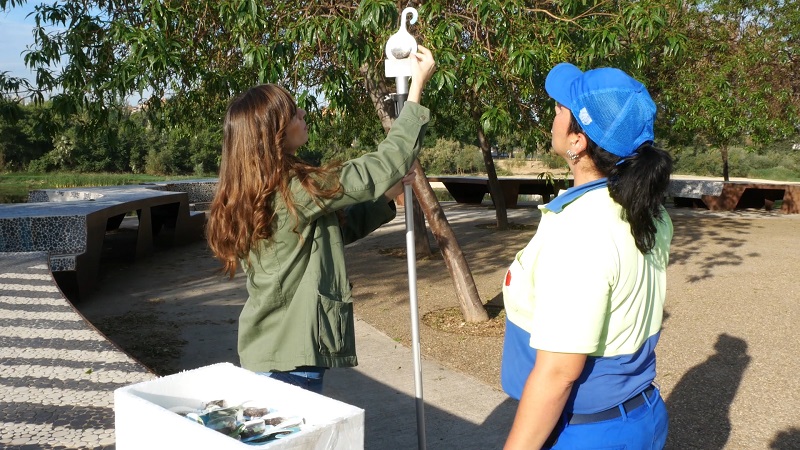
(584, 299)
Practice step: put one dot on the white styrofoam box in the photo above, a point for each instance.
(143, 420)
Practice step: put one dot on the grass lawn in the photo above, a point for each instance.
(14, 187)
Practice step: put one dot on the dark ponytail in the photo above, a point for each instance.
(638, 183)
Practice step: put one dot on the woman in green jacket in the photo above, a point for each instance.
(286, 222)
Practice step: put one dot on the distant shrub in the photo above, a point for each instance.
(41, 165)
(443, 195)
(451, 157)
(767, 163)
(551, 160)
(518, 160)
(157, 163)
(694, 161)
(779, 173)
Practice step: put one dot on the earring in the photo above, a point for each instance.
(572, 155)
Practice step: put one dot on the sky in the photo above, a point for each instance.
(15, 36)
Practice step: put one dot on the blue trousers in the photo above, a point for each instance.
(306, 377)
(644, 428)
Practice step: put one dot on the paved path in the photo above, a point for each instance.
(57, 373)
(58, 376)
(717, 397)
(460, 412)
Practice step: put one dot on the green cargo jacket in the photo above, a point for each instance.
(300, 307)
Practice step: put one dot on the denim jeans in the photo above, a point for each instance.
(306, 377)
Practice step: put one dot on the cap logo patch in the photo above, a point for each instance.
(586, 119)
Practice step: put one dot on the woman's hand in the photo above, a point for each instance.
(397, 189)
(422, 68)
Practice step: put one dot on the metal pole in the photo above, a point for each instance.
(411, 257)
(398, 65)
(402, 94)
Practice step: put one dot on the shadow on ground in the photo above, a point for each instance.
(391, 417)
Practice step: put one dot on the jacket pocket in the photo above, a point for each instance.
(335, 322)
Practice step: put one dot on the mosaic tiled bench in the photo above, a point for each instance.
(57, 372)
(200, 191)
(71, 224)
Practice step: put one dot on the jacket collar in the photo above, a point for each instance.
(570, 195)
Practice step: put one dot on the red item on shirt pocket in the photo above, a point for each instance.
(508, 278)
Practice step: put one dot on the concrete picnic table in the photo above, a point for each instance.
(471, 189)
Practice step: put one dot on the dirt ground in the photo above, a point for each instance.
(727, 356)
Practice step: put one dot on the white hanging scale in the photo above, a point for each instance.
(400, 45)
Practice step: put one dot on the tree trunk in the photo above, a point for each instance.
(378, 91)
(426, 206)
(468, 298)
(494, 185)
(422, 245)
(467, 293)
(725, 174)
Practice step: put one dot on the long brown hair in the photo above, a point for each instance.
(255, 166)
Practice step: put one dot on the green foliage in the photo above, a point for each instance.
(557, 182)
(33, 138)
(451, 157)
(14, 187)
(552, 160)
(205, 150)
(190, 58)
(777, 162)
(338, 136)
(719, 71)
(693, 161)
(26, 133)
(777, 173)
(184, 150)
(736, 79)
(157, 163)
(443, 195)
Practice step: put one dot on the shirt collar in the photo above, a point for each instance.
(572, 194)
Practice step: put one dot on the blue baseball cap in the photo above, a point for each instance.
(614, 109)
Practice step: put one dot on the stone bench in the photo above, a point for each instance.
(732, 195)
(71, 224)
(690, 193)
(57, 372)
(711, 194)
(472, 189)
(199, 191)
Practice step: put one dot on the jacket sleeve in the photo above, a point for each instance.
(364, 218)
(367, 178)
